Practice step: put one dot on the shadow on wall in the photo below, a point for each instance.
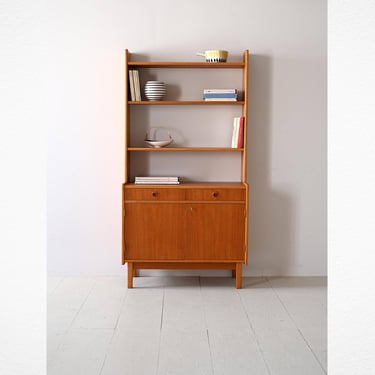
(271, 212)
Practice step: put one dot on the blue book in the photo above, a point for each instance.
(220, 95)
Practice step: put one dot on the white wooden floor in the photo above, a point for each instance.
(187, 325)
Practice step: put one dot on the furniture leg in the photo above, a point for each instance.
(238, 275)
(130, 274)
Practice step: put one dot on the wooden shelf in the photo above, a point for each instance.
(185, 102)
(185, 64)
(163, 149)
(158, 219)
(193, 184)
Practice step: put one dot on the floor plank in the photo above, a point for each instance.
(234, 347)
(187, 325)
(184, 347)
(66, 301)
(135, 345)
(102, 307)
(131, 352)
(283, 347)
(306, 302)
(81, 352)
(67, 296)
(53, 283)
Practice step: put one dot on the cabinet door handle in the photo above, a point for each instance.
(215, 194)
(154, 193)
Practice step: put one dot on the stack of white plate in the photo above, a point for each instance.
(155, 90)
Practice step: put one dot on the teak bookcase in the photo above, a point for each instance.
(193, 225)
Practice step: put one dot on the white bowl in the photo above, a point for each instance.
(151, 140)
(217, 55)
(158, 144)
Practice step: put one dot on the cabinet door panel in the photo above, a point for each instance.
(155, 231)
(217, 231)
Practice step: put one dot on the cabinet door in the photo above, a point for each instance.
(155, 231)
(217, 231)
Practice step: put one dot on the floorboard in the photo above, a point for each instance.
(283, 346)
(187, 325)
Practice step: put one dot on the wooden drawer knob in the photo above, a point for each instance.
(154, 193)
(215, 194)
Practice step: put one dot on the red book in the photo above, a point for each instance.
(240, 132)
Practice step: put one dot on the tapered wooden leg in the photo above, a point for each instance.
(130, 274)
(238, 275)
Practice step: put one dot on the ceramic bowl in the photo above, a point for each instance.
(214, 55)
(152, 140)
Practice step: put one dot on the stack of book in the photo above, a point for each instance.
(157, 180)
(220, 95)
(238, 132)
(135, 87)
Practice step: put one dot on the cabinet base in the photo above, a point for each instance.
(236, 268)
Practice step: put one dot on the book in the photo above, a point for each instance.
(235, 132)
(220, 99)
(220, 95)
(219, 91)
(137, 86)
(240, 132)
(131, 85)
(157, 182)
(172, 180)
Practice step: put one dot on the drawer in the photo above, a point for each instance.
(212, 194)
(154, 194)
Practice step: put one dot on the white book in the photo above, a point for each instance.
(137, 86)
(238, 120)
(220, 91)
(131, 84)
(156, 177)
(220, 99)
(157, 182)
(233, 131)
(236, 123)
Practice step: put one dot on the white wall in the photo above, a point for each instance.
(287, 117)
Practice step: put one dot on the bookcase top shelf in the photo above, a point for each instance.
(186, 64)
(185, 102)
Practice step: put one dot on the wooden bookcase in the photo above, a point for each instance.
(194, 225)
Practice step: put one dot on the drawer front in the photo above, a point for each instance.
(154, 194)
(212, 194)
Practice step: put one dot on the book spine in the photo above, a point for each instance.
(219, 95)
(157, 182)
(235, 132)
(220, 99)
(220, 91)
(131, 84)
(240, 132)
(156, 178)
(137, 86)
